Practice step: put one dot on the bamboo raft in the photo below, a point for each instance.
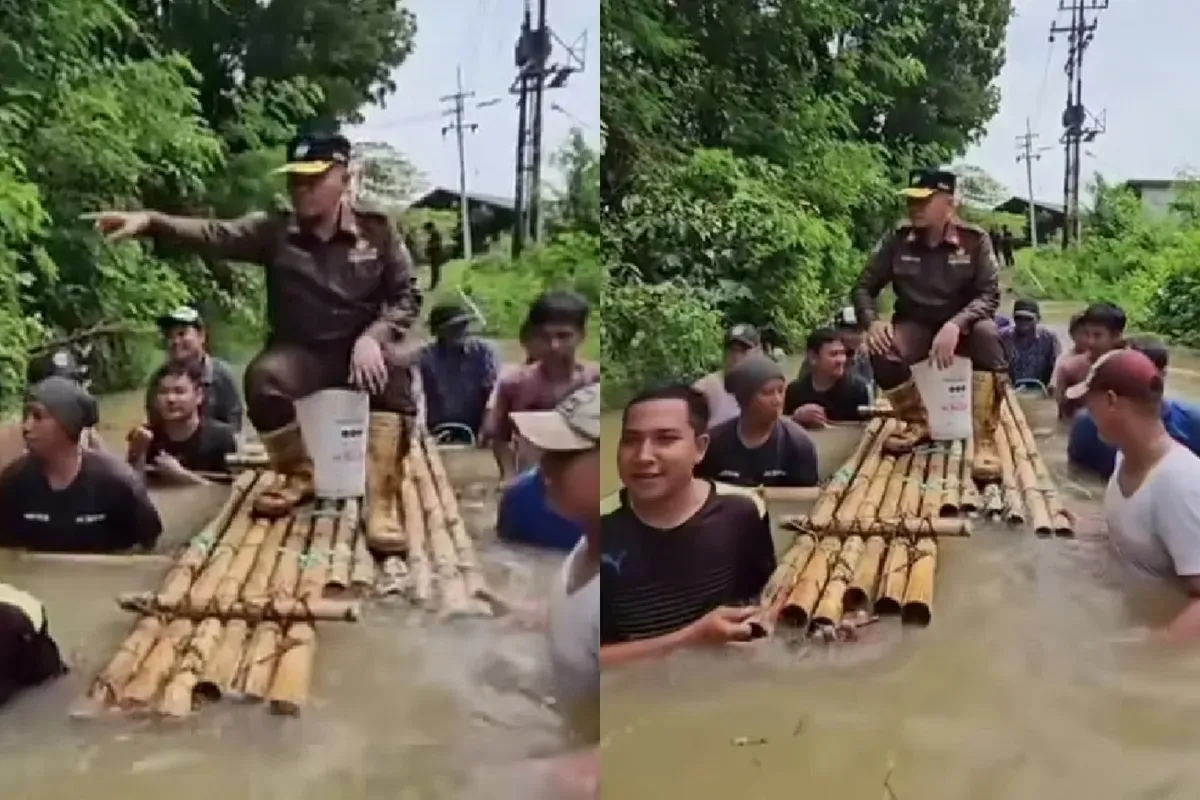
(870, 542)
(236, 615)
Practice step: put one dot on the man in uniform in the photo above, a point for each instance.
(340, 302)
(946, 281)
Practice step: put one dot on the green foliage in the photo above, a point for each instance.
(577, 205)
(503, 289)
(674, 330)
(1149, 266)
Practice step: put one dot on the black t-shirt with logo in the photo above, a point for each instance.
(203, 451)
(840, 401)
(105, 509)
(654, 582)
(787, 458)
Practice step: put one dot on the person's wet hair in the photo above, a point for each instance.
(696, 402)
(1152, 348)
(190, 369)
(559, 307)
(821, 337)
(1075, 323)
(526, 332)
(1105, 315)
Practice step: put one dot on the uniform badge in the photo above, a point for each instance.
(363, 251)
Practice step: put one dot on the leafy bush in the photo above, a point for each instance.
(653, 334)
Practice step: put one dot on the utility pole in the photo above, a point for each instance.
(458, 126)
(535, 76)
(1078, 125)
(1027, 153)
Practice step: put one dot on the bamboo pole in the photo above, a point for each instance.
(420, 586)
(893, 579)
(362, 573)
(869, 510)
(1034, 501)
(829, 609)
(145, 685)
(259, 667)
(931, 498)
(342, 560)
(108, 686)
(952, 496)
(829, 499)
(229, 588)
(1060, 520)
(237, 505)
(315, 564)
(451, 588)
(468, 560)
(918, 594)
(889, 510)
(276, 608)
(969, 501)
(224, 662)
(781, 583)
(254, 590)
(293, 677)
(179, 694)
(910, 526)
(861, 590)
(284, 579)
(798, 608)
(910, 498)
(203, 591)
(860, 484)
(1012, 505)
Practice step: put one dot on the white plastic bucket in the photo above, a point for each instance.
(947, 397)
(334, 424)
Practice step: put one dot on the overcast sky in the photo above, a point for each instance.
(480, 35)
(1143, 67)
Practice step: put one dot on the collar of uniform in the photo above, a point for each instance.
(949, 235)
(347, 221)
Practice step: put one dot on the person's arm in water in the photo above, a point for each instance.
(722, 625)
(1086, 450)
(498, 430)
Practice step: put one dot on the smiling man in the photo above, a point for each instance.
(186, 340)
(946, 280)
(682, 557)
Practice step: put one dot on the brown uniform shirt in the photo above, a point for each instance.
(318, 292)
(956, 281)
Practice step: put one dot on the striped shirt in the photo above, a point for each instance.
(654, 582)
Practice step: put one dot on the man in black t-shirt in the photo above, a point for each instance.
(181, 445)
(759, 447)
(827, 392)
(186, 341)
(59, 497)
(681, 556)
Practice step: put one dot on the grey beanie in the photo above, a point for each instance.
(750, 375)
(67, 402)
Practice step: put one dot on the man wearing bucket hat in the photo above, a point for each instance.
(340, 304)
(458, 370)
(946, 280)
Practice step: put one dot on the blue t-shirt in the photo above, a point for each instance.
(1085, 448)
(525, 517)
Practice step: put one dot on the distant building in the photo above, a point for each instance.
(1157, 195)
(1050, 217)
(491, 216)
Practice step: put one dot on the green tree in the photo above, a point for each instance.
(577, 205)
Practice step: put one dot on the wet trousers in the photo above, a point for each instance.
(284, 373)
(912, 340)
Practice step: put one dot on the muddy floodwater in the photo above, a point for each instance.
(1031, 682)
(402, 707)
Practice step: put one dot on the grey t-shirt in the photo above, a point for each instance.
(1155, 532)
(722, 406)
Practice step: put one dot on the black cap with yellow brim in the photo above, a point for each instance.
(924, 183)
(314, 154)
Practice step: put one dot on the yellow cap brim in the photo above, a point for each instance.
(304, 168)
(917, 193)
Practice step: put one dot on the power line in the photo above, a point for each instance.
(1078, 124)
(459, 126)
